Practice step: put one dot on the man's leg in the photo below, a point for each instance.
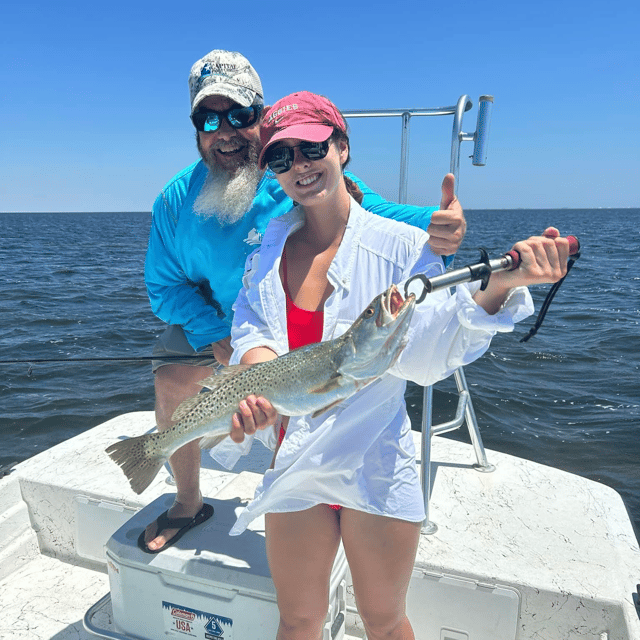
(175, 383)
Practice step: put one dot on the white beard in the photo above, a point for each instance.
(228, 195)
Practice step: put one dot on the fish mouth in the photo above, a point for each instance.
(392, 306)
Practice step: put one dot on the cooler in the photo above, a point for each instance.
(446, 607)
(209, 585)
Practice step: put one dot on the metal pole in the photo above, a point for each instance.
(404, 158)
(472, 426)
(457, 136)
(428, 527)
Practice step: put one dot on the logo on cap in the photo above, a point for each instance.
(276, 116)
(222, 69)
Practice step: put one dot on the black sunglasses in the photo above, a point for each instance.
(238, 117)
(280, 159)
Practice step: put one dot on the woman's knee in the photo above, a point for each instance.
(302, 622)
(383, 623)
(380, 617)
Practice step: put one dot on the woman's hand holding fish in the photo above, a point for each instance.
(543, 260)
(253, 413)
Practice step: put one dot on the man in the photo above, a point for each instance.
(206, 221)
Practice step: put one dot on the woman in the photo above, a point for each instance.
(318, 267)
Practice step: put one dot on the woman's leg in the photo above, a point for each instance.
(381, 552)
(301, 548)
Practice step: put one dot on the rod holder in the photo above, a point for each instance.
(481, 137)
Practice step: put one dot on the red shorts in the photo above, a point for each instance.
(281, 435)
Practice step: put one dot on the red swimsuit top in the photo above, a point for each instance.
(303, 326)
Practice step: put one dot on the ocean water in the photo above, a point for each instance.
(71, 286)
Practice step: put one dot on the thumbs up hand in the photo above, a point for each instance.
(448, 225)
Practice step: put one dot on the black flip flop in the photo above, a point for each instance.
(182, 524)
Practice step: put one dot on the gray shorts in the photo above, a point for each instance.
(174, 343)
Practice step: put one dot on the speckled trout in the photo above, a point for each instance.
(308, 380)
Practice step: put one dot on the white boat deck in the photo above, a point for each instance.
(546, 554)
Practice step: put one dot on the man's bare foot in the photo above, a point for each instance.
(177, 510)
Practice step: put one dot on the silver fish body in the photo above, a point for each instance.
(308, 380)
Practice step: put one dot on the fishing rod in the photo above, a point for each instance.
(482, 271)
(32, 361)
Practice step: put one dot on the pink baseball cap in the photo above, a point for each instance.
(302, 115)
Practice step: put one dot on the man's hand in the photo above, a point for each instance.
(222, 350)
(448, 225)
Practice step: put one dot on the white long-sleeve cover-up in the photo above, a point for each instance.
(359, 454)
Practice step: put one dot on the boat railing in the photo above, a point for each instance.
(465, 412)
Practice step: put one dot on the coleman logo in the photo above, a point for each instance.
(181, 613)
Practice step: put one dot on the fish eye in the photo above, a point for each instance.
(368, 312)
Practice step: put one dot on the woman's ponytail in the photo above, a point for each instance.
(354, 190)
(339, 135)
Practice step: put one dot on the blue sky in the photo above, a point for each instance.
(94, 100)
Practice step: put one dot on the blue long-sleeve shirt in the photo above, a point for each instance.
(194, 266)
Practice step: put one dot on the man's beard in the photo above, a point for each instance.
(227, 194)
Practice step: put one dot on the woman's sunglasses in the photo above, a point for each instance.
(238, 117)
(280, 159)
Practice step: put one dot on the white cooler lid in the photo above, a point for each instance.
(205, 554)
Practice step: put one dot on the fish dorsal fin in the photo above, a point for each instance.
(319, 412)
(186, 406)
(215, 380)
(208, 442)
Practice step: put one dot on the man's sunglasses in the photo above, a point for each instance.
(280, 159)
(238, 117)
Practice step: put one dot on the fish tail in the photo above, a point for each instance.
(138, 464)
